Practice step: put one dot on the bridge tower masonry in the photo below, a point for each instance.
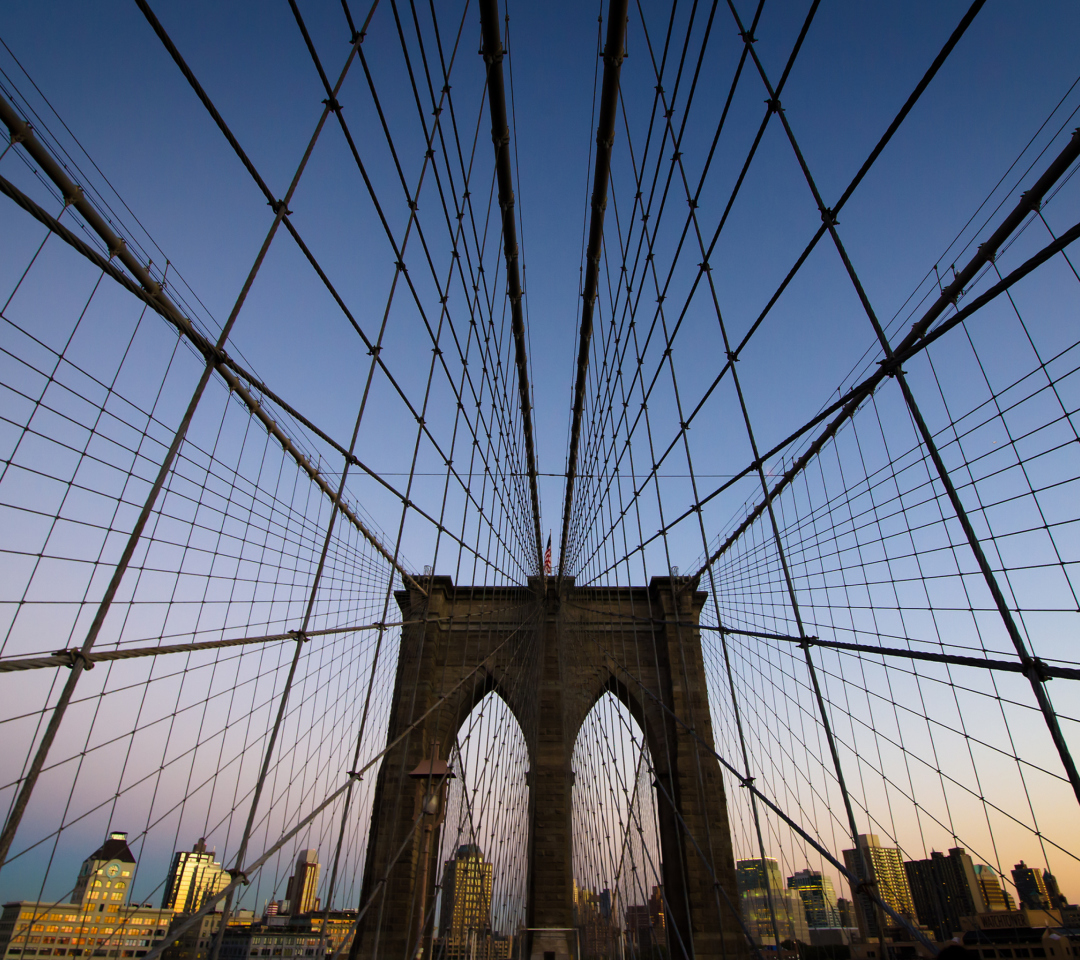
(551, 651)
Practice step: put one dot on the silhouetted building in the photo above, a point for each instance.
(882, 868)
(994, 894)
(1030, 889)
(1053, 891)
(304, 883)
(646, 924)
(846, 909)
(194, 876)
(466, 905)
(763, 899)
(944, 889)
(818, 897)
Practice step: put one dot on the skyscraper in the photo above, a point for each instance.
(1053, 891)
(944, 890)
(466, 898)
(882, 867)
(194, 876)
(818, 897)
(762, 897)
(995, 896)
(304, 883)
(1030, 888)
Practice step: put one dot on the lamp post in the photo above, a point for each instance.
(432, 776)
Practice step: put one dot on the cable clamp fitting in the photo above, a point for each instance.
(747, 782)
(891, 366)
(774, 105)
(828, 217)
(279, 208)
(1035, 669)
(334, 104)
(75, 655)
(238, 874)
(299, 635)
(355, 775)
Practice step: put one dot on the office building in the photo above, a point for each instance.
(304, 883)
(284, 936)
(882, 868)
(944, 889)
(99, 923)
(846, 909)
(196, 942)
(818, 897)
(1030, 889)
(466, 904)
(1053, 891)
(194, 876)
(594, 916)
(994, 894)
(769, 908)
(646, 923)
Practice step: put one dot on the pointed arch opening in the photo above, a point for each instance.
(483, 851)
(618, 886)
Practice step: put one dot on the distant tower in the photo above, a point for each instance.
(194, 876)
(994, 894)
(818, 897)
(106, 875)
(1030, 887)
(846, 909)
(885, 870)
(466, 898)
(304, 883)
(1053, 891)
(761, 896)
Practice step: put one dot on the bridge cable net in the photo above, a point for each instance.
(207, 577)
(889, 581)
(879, 592)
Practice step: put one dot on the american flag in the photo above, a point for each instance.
(547, 558)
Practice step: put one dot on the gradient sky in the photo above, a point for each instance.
(107, 75)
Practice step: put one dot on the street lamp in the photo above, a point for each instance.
(437, 774)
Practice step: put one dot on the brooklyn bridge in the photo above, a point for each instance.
(485, 481)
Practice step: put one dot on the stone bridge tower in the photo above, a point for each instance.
(551, 655)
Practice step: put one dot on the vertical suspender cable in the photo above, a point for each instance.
(492, 51)
(605, 138)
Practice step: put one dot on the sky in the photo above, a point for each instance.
(122, 99)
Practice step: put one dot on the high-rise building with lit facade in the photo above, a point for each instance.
(763, 898)
(883, 868)
(304, 883)
(818, 897)
(194, 876)
(994, 894)
(465, 917)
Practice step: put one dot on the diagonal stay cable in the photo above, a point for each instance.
(872, 157)
(915, 338)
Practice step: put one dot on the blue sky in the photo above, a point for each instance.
(120, 95)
